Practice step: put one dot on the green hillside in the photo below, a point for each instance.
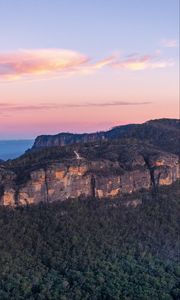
(90, 249)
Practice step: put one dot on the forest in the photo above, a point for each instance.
(93, 249)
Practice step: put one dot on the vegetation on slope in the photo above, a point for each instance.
(91, 249)
(120, 150)
(162, 133)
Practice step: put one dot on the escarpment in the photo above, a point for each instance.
(103, 164)
(72, 178)
(164, 133)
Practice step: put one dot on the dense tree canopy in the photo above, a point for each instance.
(92, 249)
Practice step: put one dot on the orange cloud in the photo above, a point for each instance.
(46, 62)
(23, 63)
(136, 63)
(39, 62)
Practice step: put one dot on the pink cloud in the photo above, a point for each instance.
(170, 43)
(42, 62)
(137, 62)
(39, 62)
(11, 108)
(56, 62)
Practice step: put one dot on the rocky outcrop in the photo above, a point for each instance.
(164, 133)
(63, 139)
(84, 178)
(102, 164)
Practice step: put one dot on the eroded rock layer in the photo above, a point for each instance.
(72, 178)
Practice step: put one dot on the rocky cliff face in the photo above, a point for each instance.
(162, 132)
(63, 139)
(106, 164)
(72, 178)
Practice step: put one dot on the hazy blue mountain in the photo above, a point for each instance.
(13, 148)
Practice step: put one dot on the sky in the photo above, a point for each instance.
(83, 66)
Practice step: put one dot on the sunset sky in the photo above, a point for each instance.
(86, 65)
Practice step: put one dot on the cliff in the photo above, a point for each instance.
(104, 164)
(103, 170)
(164, 133)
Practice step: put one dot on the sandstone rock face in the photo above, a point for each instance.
(8, 198)
(102, 178)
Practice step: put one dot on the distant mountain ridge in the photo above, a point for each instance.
(160, 132)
